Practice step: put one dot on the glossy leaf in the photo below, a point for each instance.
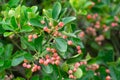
(67, 20)
(56, 10)
(61, 44)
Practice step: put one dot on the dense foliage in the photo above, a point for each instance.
(70, 40)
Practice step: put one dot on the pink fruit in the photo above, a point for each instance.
(70, 72)
(41, 61)
(70, 42)
(108, 78)
(24, 65)
(60, 24)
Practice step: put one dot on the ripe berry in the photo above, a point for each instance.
(48, 49)
(78, 47)
(108, 78)
(28, 66)
(70, 72)
(64, 37)
(35, 36)
(61, 24)
(30, 36)
(89, 16)
(71, 76)
(41, 61)
(107, 71)
(24, 65)
(77, 65)
(70, 42)
(57, 62)
(79, 51)
(38, 67)
(42, 22)
(75, 69)
(45, 63)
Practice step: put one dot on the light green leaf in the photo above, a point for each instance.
(67, 20)
(56, 10)
(61, 44)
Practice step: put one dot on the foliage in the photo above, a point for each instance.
(70, 40)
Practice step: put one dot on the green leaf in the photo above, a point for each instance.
(1, 50)
(26, 29)
(7, 64)
(61, 44)
(35, 77)
(8, 51)
(1, 62)
(38, 43)
(74, 59)
(28, 56)
(6, 34)
(13, 22)
(56, 10)
(13, 2)
(47, 69)
(17, 60)
(7, 27)
(67, 20)
(78, 73)
(106, 56)
(36, 22)
(30, 45)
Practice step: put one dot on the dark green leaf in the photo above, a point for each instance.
(35, 77)
(1, 62)
(14, 23)
(13, 2)
(38, 43)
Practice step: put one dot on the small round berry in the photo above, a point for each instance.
(70, 72)
(64, 37)
(61, 24)
(58, 58)
(107, 71)
(79, 51)
(47, 56)
(70, 42)
(71, 76)
(75, 69)
(41, 61)
(28, 66)
(35, 36)
(77, 65)
(48, 49)
(38, 67)
(78, 47)
(45, 63)
(50, 24)
(24, 65)
(57, 62)
(89, 16)
(55, 55)
(11, 76)
(29, 40)
(108, 78)
(42, 22)
(53, 50)
(30, 36)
